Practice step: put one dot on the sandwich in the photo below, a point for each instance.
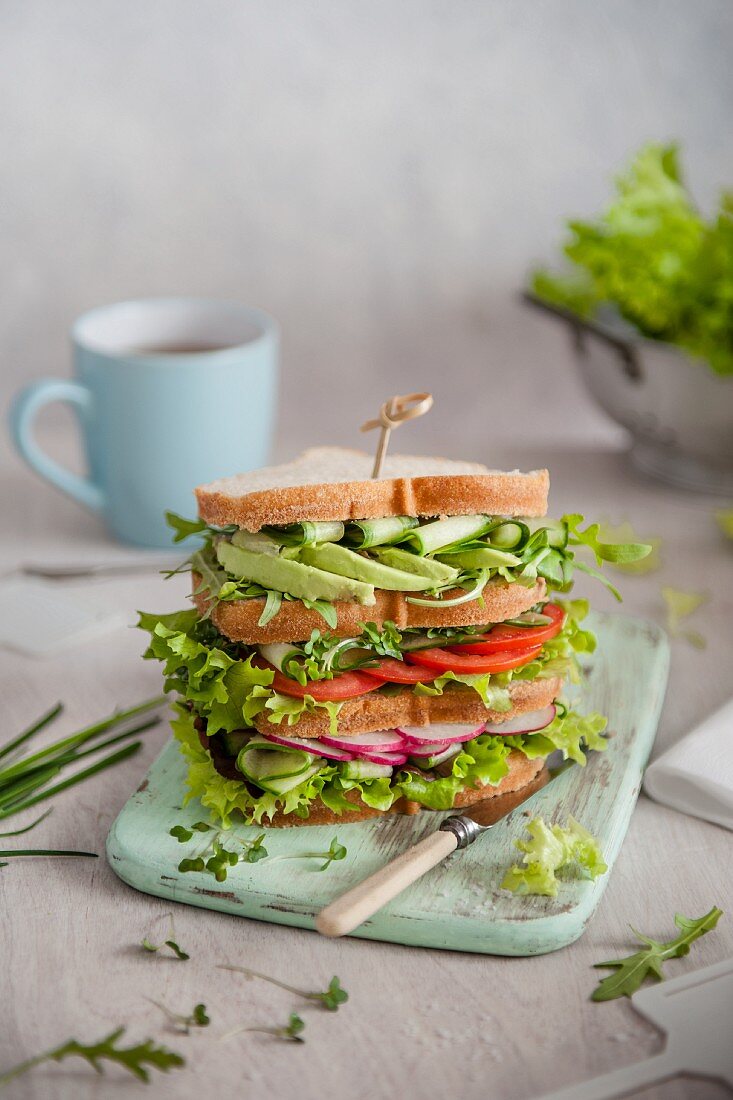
(362, 646)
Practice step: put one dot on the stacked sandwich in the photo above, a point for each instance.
(360, 646)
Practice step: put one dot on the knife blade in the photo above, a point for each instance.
(362, 901)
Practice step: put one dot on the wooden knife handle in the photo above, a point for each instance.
(354, 907)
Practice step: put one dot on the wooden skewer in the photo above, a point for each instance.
(394, 412)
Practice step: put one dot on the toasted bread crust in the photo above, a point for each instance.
(294, 622)
(500, 494)
(374, 712)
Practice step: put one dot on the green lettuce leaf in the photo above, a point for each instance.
(667, 269)
(550, 849)
(494, 697)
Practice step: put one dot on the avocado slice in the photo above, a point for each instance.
(297, 579)
(339, 559)
(414, 563)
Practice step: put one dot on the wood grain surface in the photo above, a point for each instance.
(419, 1023)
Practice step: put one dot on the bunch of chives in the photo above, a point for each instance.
(29, 779)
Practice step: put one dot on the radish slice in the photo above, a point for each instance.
(447, 732)
(430, 748)
(376, 757)
(381, 741)
(318, 748)
(531, 722)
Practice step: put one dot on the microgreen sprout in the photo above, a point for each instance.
(335, 852)
(290, 1031)
(330, 998)
(196, 1018)
(216, 859)
(170, 943)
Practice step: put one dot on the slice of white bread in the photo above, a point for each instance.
(375, 711)
(238, 619)
(333, 483)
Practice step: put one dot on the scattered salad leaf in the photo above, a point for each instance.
(724, 517)
(330, 998)
(196, 1018)
(134, 1058)
(550, 849)
(629, 973)
(680, 605)
(181, 833)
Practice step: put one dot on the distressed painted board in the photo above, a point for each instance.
(458, 905)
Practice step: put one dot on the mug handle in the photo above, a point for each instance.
(22, 414)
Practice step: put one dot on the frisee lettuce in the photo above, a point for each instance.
(651, 254)
(549, 849)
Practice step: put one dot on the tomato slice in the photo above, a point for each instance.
(445, 660)
(346, 685)
(397, 672)
(502, 637)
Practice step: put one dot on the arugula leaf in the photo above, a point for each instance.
(629, 973)
(184, 527)
(550, 849)
(133, 1058)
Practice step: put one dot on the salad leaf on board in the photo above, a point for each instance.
(550, 849)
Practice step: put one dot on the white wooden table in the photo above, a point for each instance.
(418, 1023)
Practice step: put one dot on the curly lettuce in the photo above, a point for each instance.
(652, 254)
(549, 849)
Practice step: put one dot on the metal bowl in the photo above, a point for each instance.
(679, 413)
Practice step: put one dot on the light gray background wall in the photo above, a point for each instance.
(379, 175)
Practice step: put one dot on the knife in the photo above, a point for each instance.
(351, 909)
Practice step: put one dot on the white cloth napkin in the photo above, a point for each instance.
(696, 775)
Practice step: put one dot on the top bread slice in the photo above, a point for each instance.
(333, 483)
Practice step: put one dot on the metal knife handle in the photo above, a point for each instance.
(361, 902)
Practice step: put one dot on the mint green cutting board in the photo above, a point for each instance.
(458, 905)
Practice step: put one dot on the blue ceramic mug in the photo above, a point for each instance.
(170, 393)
